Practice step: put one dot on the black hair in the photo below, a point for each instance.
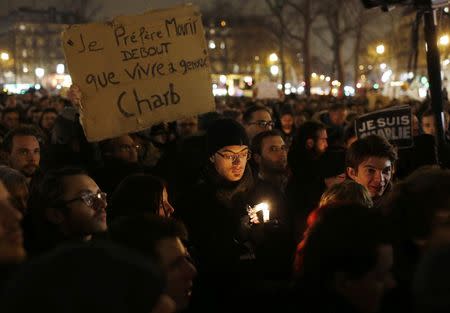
(24, 130)
(344, 239)
(143, 232)
(52, 188)
(308, 130)
(247, 116)
(136, 194)
(349, 132)
(413, 202)
(88, 277)
(336, 106)
(370, 146)
(10, 110)
(259, 138)
(49, 194)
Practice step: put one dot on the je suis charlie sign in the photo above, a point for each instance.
(395, 124)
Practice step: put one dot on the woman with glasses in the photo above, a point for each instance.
(140, 193)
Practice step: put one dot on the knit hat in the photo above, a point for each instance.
(225, 132)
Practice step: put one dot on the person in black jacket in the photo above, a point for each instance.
(215, 212)
(304, 158)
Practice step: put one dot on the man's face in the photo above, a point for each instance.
(428, 125)
(11, 238)
(230, 162)
(83, 219)
(366, 293)
(175, 261)
(36, 116)
(48, 120)
(273, 157)
(260, 121)
(375, 173)
(287, 121)
(125, 149)
(25, 155)
(187, 127)
(338, 117)
(11, 120)
(321, 142)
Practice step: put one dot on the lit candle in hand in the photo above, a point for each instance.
(264, 207)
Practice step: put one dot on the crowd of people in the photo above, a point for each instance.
(260, 206)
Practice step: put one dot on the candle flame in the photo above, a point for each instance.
(261, 206)
(265, 208)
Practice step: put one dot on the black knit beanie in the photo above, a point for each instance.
(225, 132)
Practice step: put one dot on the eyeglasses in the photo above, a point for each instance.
(230, 156)
(128, 148)
(92, 200)
(263, 124)
(279, 149)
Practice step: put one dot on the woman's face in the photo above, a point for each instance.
(165, 208)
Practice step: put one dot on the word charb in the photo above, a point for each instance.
(143, 104)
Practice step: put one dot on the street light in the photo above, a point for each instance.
(39, 71)
(444, 40)
(274, 70)
(60, 68)
(4, 56)
(380, 49)
(273, 57)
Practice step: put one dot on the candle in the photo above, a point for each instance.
(264, 207)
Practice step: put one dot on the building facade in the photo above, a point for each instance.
(32, 38)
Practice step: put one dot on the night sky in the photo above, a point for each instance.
(112, 8)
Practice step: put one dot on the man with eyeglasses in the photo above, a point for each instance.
(257, 119)
(121, 159)
(214, 210)
(68, 206)
(23, 149)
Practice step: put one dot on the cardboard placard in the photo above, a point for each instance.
(395, 124)
(140, 70)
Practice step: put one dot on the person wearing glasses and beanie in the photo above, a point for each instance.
(215, 213)
(68, 206)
